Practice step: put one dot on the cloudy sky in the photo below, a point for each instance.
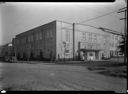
(19, 17)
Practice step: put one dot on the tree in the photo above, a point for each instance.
(122, 45)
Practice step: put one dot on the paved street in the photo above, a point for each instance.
(48, 76)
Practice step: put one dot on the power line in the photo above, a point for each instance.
(123, 9)
(111, 31)
(87, 25)
(80, 23)
(100, 28)
(99, 16)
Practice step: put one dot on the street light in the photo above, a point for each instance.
(110, 31)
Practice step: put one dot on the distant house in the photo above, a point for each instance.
(6, 51)
(0, 51)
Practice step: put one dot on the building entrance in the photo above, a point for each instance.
(91, 56)
(85, 54)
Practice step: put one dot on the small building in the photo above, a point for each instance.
(6, 51)
(54, 41)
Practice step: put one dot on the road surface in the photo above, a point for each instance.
(48, 76)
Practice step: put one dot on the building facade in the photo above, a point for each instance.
(95, 43)
(54, 41)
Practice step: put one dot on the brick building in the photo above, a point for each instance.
(37, 43)
(55, 41)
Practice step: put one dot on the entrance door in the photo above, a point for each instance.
(91, 55)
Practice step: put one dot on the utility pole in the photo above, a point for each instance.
(125, 36)
(125, 31)
(73, 41)
(79, 50)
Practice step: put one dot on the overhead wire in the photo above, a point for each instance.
(80, 23)
(99, 16)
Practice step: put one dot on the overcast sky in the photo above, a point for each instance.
(19, 17)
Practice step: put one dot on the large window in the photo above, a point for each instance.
(40, 36)
(30, 38)
(49, 34)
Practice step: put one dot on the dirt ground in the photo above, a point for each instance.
(115, 71)
(52, 76)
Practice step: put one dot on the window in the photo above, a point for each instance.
(98, 37)
(43, 36)
(116, 37)
(37, 36)
(47, 34)
(29, 46)
(31, 37)
(95, 37)
(84, 36)
(40, 36)
(17, 41)
(24, 39)
(68, 36)
(113, 37)
(112, 44)
(90, 37)
(50, 33)
(90, 46)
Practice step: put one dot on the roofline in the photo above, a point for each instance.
(43, 25)
(64, 21)
(34, 28)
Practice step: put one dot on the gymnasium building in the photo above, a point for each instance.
(59, 40)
